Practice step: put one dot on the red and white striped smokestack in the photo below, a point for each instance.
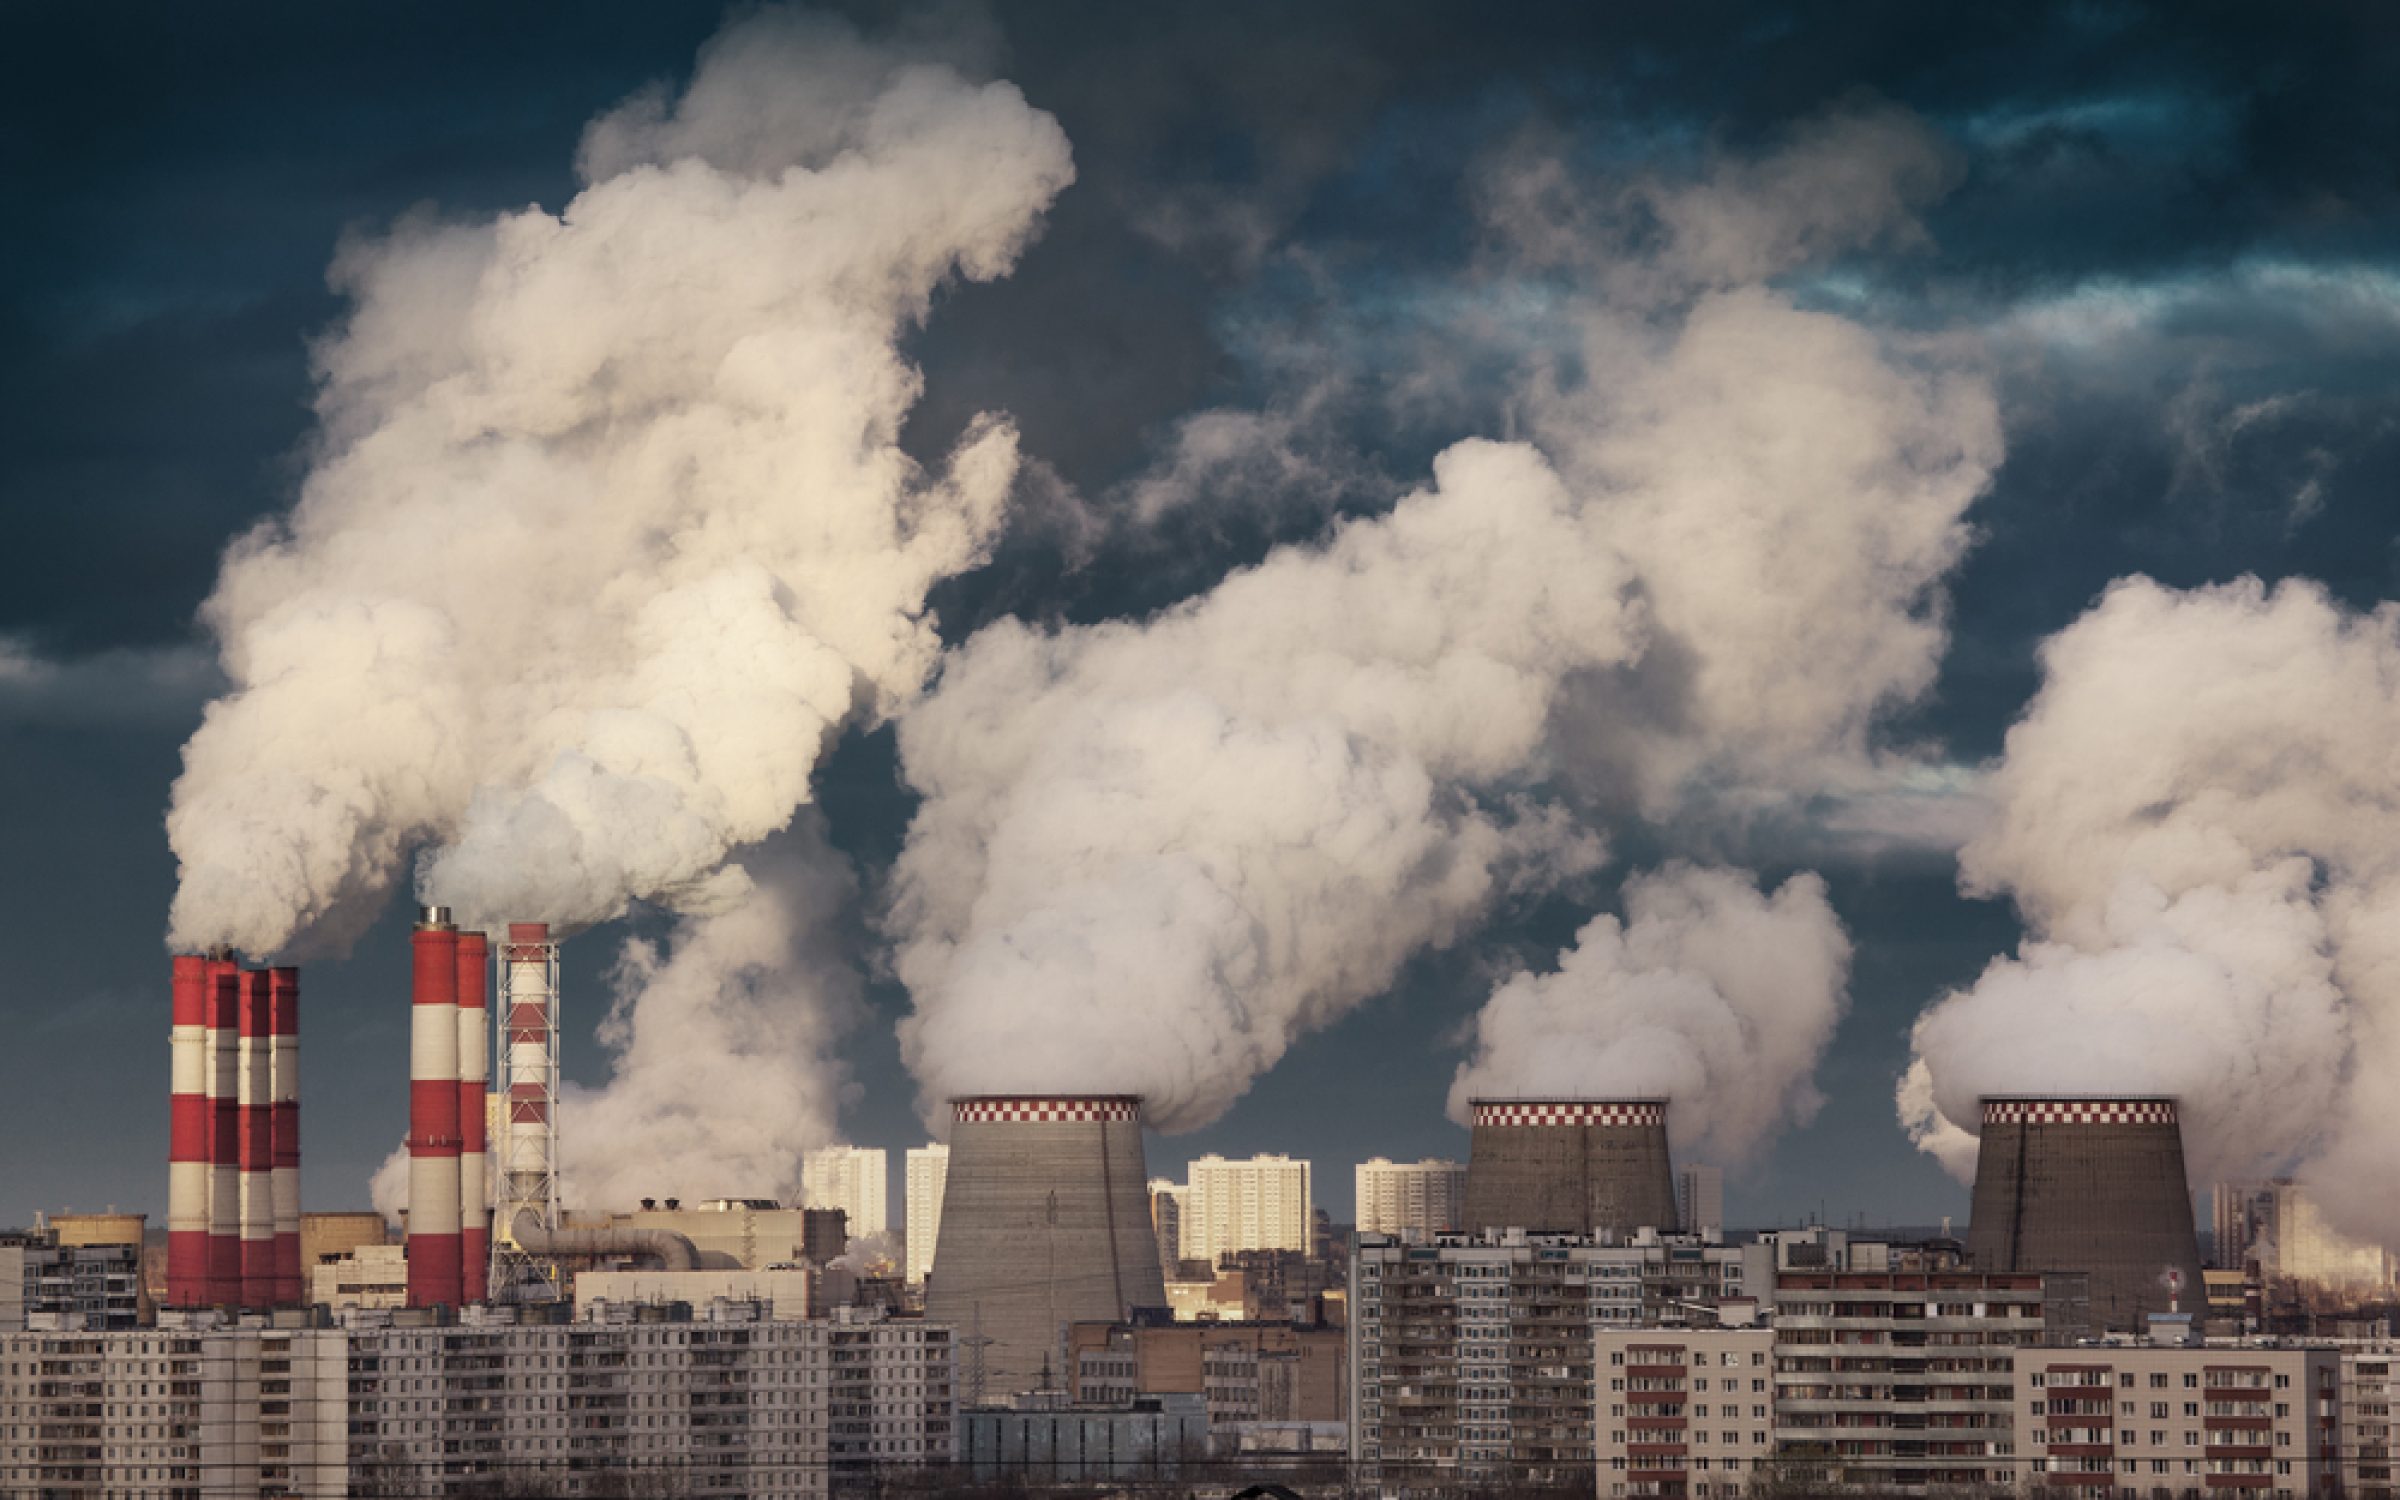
(224, 1133)
(433, 1248)
(255, 1120)
(188, 1127)
(474, 1083)
(283, 1019)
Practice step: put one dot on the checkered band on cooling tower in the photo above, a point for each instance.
(1569, 1112)
(1047, 1110)
(2078, 1111)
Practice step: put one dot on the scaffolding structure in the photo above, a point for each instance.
(528, 1177)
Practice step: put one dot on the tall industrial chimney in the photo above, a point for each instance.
(527, 1194)
(283, 1018)
(254, 1114)
(474, 1084)
(434, 1272)
(1584, 1165)
(224, 1133)
(1045, 1222)
(2094, 1185)
(190, 1123)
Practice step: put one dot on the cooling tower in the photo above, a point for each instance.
(2092, 1185)
(1588, 1165)
(1045, 1222)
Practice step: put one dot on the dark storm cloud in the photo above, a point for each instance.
(2178, 228)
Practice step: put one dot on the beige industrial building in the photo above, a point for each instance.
(1262, 1203)
(1409, 1199)
(928, 1172)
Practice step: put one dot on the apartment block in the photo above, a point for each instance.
(1472, 1356)
(168, 1414)
(1901, 1380)
(46, 1283)
(2178, 1423)
(2370, 1392)
(855, 1179)
(1410, 1199)
(1684, 1411)
(1258, 1204)
(928, 1174)
(1247, 1373)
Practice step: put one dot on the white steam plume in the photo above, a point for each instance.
(2197, 820)
(1152, 855)
(608, 529)
(1708, 992)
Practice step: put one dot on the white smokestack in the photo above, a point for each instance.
(2196, 818)
(608, 528)
(1708, 993)
(1152, 855)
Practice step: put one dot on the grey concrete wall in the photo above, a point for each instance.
(1043, 1225)
(1575, 1177)
(2108, 1199)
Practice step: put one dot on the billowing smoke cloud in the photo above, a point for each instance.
(608, 528)
(1708, 992)
(2196, 818)
(1152, 855)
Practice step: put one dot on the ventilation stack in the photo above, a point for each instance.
(1045, 1222)
(254, 1119)
(526, 1196)
(474, 1086)
(283, 1019)
(1592, 1166)
(224, 1133)
(2092, 1185)
(190, 1124)
(434, 1272)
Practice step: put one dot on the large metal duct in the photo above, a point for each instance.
(1045, 1222)
(673, 1252)
(1585, 1165)
(434, 1273)
(2092, 1185)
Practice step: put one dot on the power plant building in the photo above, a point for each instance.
(1045, 1223)
(1573, 1166)
(2091, 1185)
(1420, 1198)
(1262, 1203)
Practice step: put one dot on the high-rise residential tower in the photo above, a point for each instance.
(1259, 1204)
(1700, 1197)
(928, 1173)
(854, 1179)
(1410, 1199)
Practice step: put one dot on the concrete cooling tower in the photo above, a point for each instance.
(1590, 1165)
(1045, 1222)
(2093, 1185)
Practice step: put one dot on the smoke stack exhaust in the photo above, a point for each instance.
(527, 1190)
(1045, 1222)
(1587, 1165)
(434, 1268)
(254, 1110)
(224, 1133)
(189, 1125)
(474, 1087)
(2093, 1185)
(283, 1019)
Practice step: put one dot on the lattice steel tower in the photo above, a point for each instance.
(528, 1144)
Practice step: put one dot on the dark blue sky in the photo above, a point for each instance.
(2178, 227)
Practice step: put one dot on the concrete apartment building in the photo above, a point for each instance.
(2180, 1422)
(1684, 1411)
(50, 1281)
(2370, 1390)
(1700, 1198)
(1901, 1379)
(1405, 1199)
(1472, 1356)
(1247, 1373)
(1259, 1204)
(855, 1179)
(928, 1173)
